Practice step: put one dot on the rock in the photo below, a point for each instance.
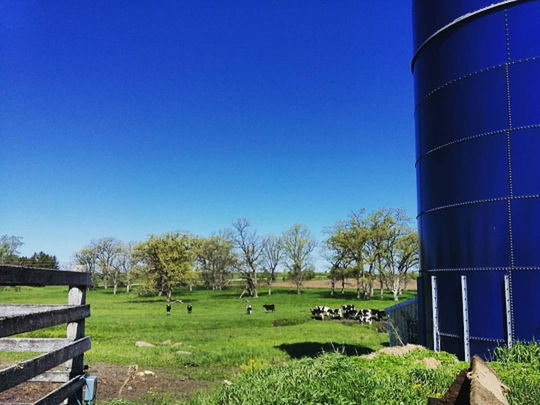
(166, 343)
(130, 388)
(148, 372)
(182, 352)
(431, 363)
(140, 374)
(177, 344)
(141, 343)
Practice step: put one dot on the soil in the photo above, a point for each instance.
(350, 283)
(394, 350)
(111, 377)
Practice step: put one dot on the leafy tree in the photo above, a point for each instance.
(272, 255)
(249, 246)
(9, 246)
(41, 259)
(216, 261)
(168, 260)
(298, 244)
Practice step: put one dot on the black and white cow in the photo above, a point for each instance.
(249, 309)
(189, 309)
(269, 307)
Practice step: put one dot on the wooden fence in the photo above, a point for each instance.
(15, 319)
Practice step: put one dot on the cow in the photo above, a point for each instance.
(189, 309)
(168, 309)
(319, 312)
(249, 309)
(269, 307)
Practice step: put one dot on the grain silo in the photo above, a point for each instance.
(476, 68)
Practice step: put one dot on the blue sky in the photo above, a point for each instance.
(124, 118)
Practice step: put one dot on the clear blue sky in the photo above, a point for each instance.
(124, 118)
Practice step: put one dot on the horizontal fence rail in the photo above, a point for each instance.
(32, 276)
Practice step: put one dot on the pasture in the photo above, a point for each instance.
(221, 340)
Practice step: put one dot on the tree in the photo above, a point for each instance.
(168, 260)
(87, 258)
(106, 251)
(41, 259)
(121, 265)
(272, 255)
(216, 261)
(298, 244)
(9, 246)
(337, 253)
(401, 255)
(249, 247)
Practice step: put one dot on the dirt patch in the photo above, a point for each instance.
(394, 351)
(110, 378)
(350, 283)
(430, 363)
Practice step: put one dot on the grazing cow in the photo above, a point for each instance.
(347, 307)
(189, 309)
(269, 307)
(319, 312)
(249, 309)
(168, 309)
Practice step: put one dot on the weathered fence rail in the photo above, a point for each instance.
(15, 319)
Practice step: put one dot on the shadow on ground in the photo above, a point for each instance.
(314, 349)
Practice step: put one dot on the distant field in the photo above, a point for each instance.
(219, 335)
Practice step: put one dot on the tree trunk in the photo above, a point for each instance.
(190, 287)
(128, 287)
(358, 285)
(298, 289)
(255, 291)
(342, 285)
(115, 287)
(269, 289)
(333, 286)
(169, 295)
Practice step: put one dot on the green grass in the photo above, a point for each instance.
(220, 336)
(334, 378)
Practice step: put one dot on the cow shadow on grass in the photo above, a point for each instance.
(315, 349)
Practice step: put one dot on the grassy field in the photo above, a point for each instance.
(219, 335)
(271, 358)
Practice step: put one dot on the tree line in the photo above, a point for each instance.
(9, 254)
(165, 261)
(380, 246)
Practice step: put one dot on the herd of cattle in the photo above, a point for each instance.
(348, 312)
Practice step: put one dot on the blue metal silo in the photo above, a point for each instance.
(477, 88)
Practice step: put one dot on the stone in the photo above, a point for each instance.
(148, 372)
(182, 352)
(141, 343)
(177, 344)
(166, 342)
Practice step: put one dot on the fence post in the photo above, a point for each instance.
(435, 313)
(465, 310)
(75, 331)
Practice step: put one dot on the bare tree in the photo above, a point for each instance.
(272, 255)
(298, 244)
(106, 251)
(401, 255)
(121, 265)
(87, 258)
(249, 247)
